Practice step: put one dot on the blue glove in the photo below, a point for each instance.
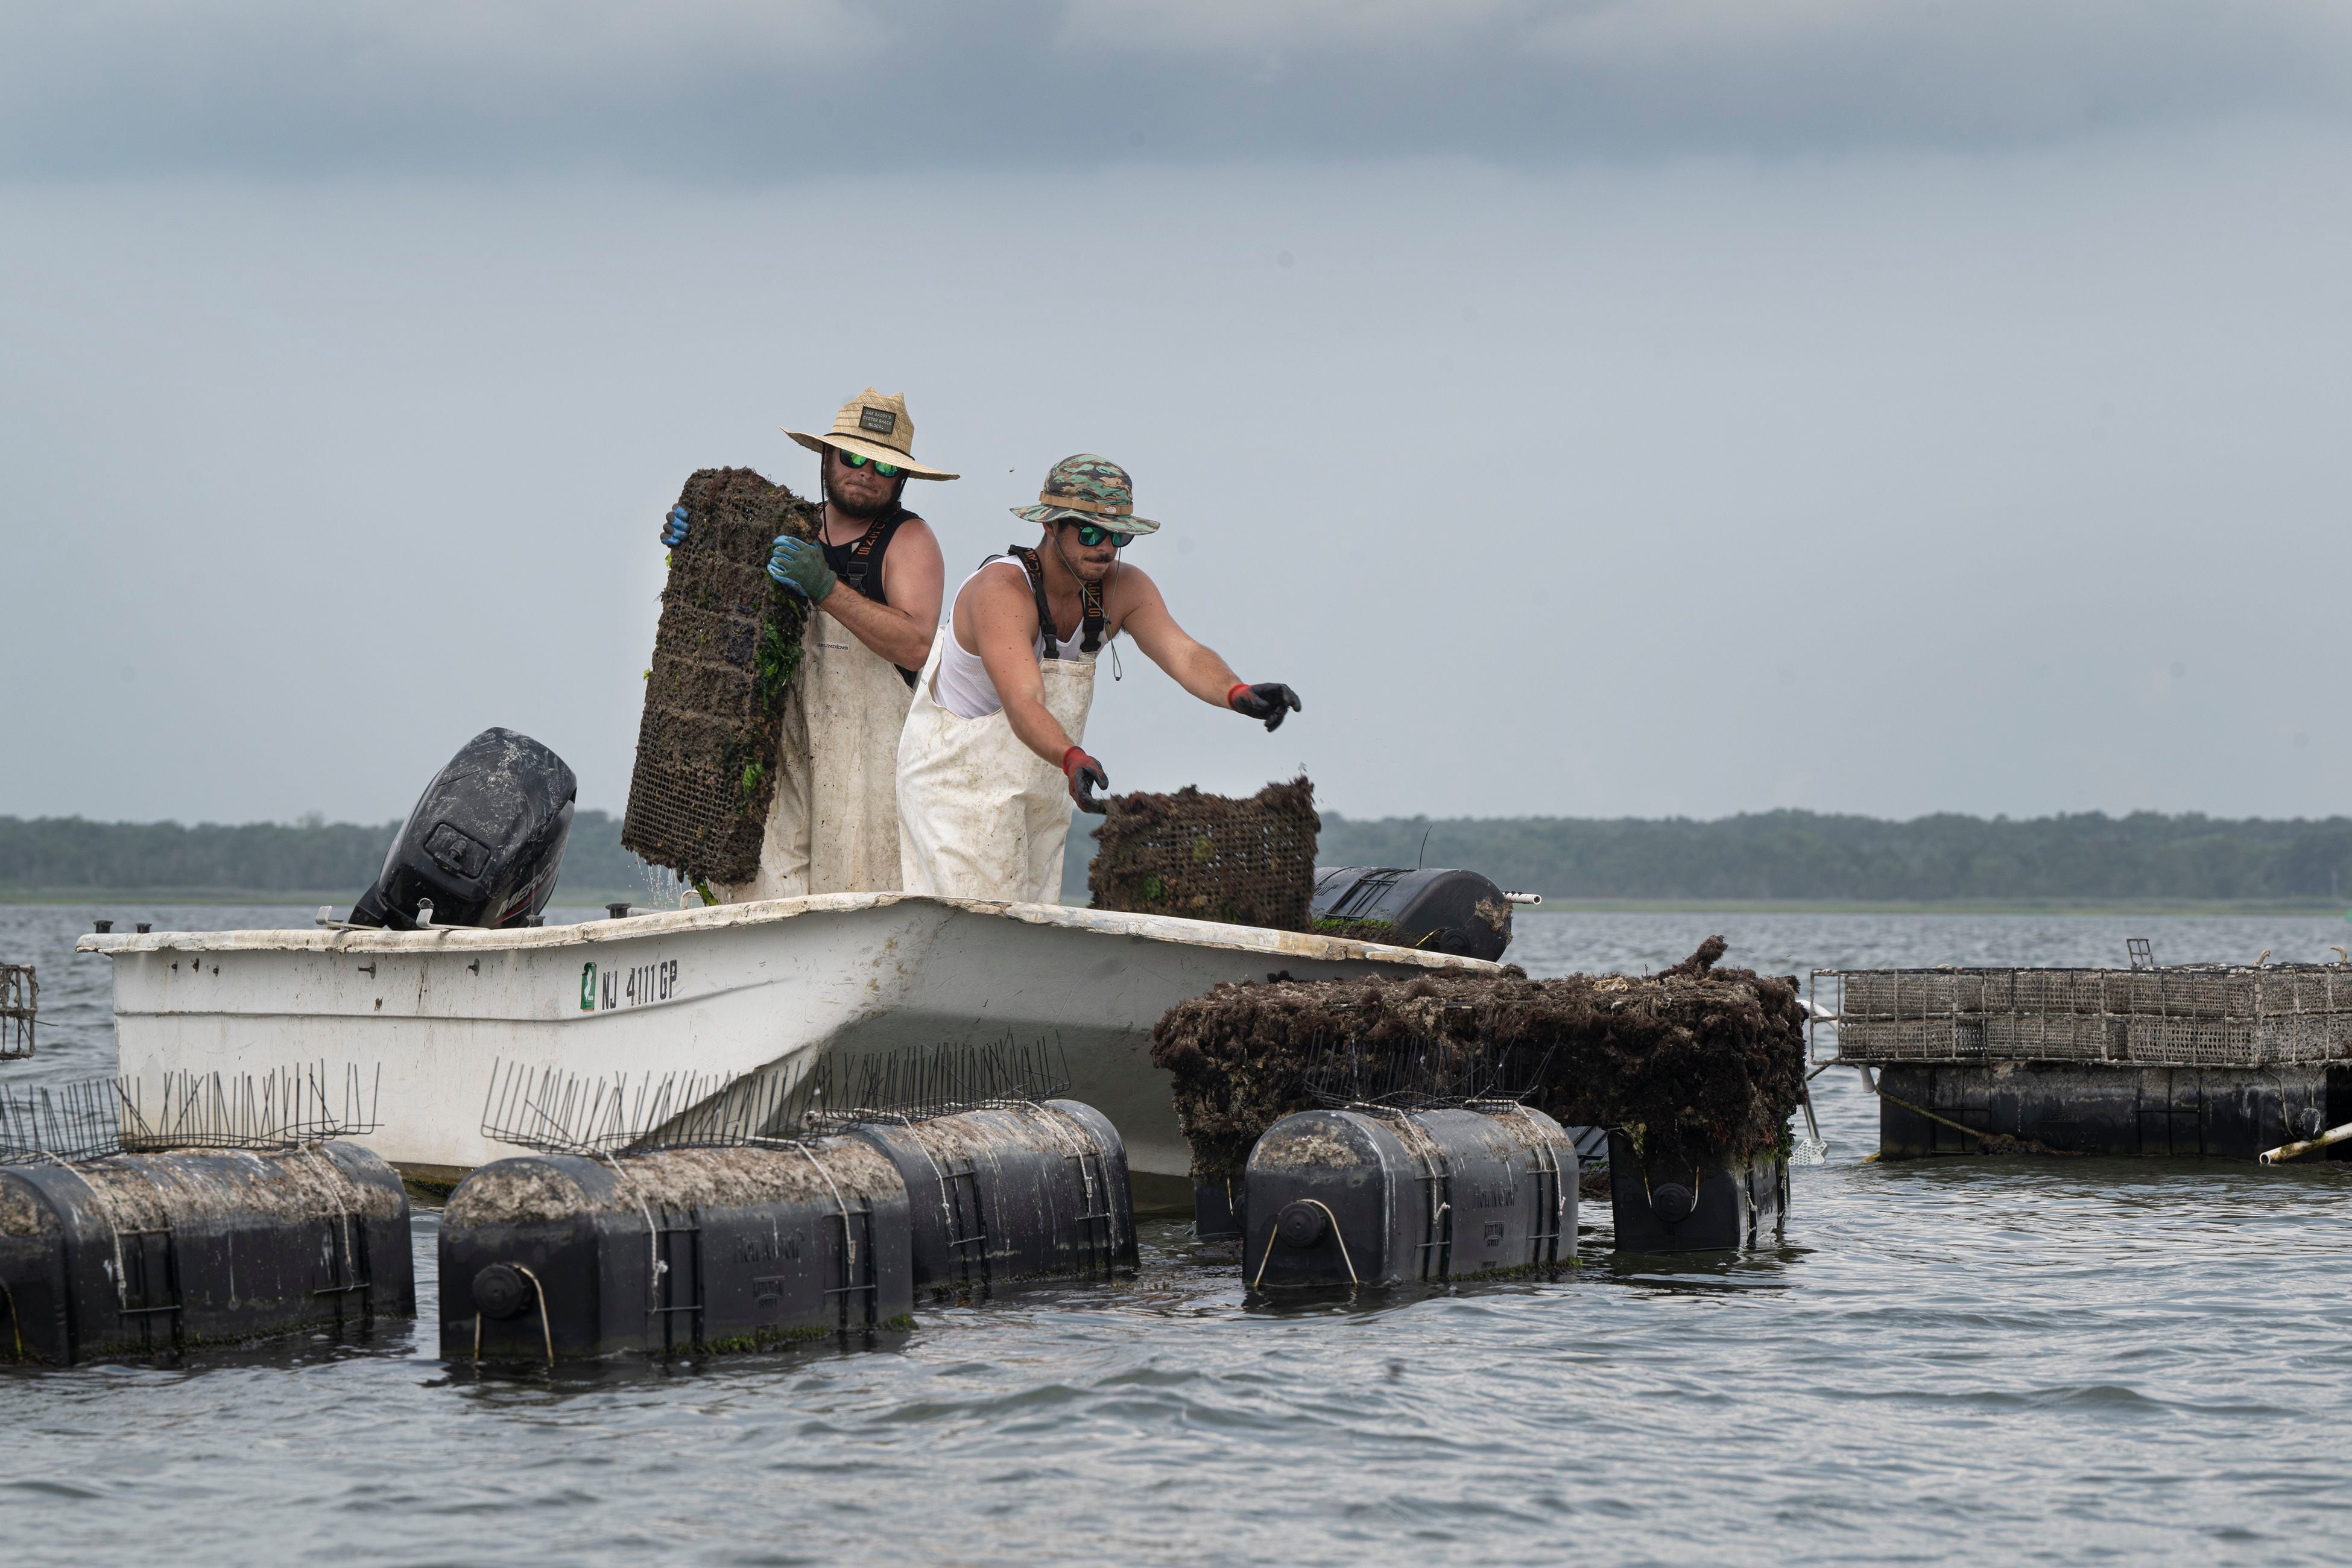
(673, 532)
(797, 564)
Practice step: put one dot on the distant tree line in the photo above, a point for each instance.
(1779, 856)
(66, 854)
(1803, 855)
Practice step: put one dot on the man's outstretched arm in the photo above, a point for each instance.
(1192, 664)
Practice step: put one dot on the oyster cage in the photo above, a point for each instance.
(2216, 1016)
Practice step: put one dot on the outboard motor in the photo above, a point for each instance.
(1438, 910)
(484, 843)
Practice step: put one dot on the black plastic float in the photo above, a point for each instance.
(134, 1254)
(1379, 1195)
(1660, 1205)
(560, 1256)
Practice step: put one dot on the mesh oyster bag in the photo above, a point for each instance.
(725, 652)
(1211, 857)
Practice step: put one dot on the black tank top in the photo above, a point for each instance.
(859, 561)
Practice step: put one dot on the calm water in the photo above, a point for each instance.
(1981, 1359)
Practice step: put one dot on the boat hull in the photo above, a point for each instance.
(729, 990)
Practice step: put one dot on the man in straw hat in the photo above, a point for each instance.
(875, 582)
(989, 762)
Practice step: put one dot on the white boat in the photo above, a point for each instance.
(728, 990)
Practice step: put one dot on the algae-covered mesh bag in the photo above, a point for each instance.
(724, 655)
(1695, 1063)
(1209, 856)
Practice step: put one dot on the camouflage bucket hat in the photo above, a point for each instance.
(1087, 488)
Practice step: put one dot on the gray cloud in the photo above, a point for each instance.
(734, 90)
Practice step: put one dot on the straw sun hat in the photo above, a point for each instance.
(874, 425)
(1087, 488)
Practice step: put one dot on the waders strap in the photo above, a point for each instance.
(1090, 606)
(860, 564)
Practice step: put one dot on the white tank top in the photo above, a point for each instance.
(963, 686)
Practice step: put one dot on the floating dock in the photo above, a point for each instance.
(2223, 1061)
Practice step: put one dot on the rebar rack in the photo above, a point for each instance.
(306, 1104)
(922, 1082)
(94, 1118)
(560, 1112)
(20, 1005)
(2217, 1016)
(70, 1121)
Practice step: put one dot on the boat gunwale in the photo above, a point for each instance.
(721, 916)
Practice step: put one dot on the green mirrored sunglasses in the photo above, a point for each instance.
(1093, 533)
(859, 460)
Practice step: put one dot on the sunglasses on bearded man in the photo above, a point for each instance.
(1091, 534)
(860, 460)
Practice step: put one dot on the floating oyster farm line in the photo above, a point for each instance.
(863, 1102)
(2236, 1061)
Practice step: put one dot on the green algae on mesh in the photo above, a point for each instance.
(1360, 930)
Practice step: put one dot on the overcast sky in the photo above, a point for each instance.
(1633, 409)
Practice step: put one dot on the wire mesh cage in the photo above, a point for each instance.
(1419, 1072)
(725, 652)
(1211, 857)
(2177, 1015)
(20, 1005)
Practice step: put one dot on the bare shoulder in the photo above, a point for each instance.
(915, 532)
(997, 592)
(1131, 589)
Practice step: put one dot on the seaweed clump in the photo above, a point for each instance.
(725, 653)
(1697, 1064)
(1209, 856)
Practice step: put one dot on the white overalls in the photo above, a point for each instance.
(980, 816)
(833, 826)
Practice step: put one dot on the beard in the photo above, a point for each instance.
(864, 511)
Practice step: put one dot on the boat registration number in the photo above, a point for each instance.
(635, 987)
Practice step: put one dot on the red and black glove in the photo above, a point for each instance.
(1085, 776)
(1270, 700)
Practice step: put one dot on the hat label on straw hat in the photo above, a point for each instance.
(881, 421)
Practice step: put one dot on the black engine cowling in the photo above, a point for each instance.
(484, 843)
(1441, 911)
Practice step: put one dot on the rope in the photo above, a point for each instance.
(545, 1332)
(1698, 1187)
(848, 1237)
(1059, 1120)
(113, 1227)
(343, 1216)
(15, 1327)
(1548, 1162)
(653, 1231)
(1274, 1235)
(947, 1203)
(1923, 1111)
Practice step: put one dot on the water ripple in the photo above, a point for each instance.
(1998, 1359)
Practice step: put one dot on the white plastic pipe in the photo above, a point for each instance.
(2289, 1150)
